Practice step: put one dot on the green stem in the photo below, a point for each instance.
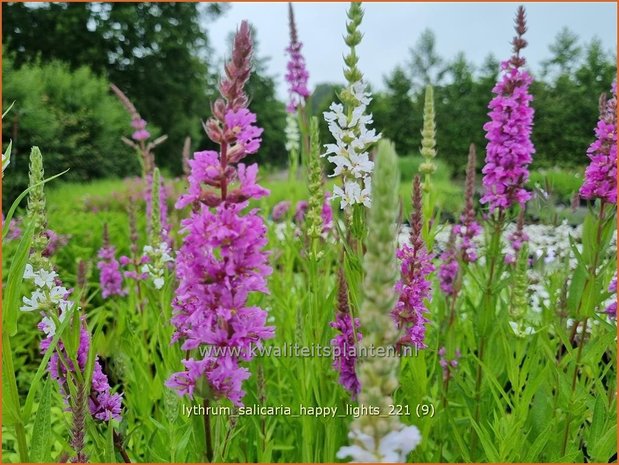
(581, 344)
(208, 440)
(488, 305)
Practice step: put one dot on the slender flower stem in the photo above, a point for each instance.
(118, 444)
(488, 305)
(208, 440)
(590, 280)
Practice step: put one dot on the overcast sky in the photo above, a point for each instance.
(390, 29)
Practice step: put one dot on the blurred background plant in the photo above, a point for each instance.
(62, 101)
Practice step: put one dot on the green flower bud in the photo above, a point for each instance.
(428, 138)
(155, 214)
(316, 193)
(36, 210)
(378, 375)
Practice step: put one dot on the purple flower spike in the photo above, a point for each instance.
(297, 74)
(414, 286)
(110, 277)
(222, 259)
(601, 174)
(344, 344)
(448, 271)
(509, 150)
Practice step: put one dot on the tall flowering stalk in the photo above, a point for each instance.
(222, 261)
(509, 150)
(599, 225)
(139, 138)
(449, 268)
(296, 77)
(67, 364)
(508, 155)
(428, 139)
(297, 74)
(348, 124)
(319, 215)
(428, 152)
(414, 287)
(601, 174)
(468, 228)
(380, 438)
(157, 250)
(345, 342)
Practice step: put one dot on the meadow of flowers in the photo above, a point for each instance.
(199, 320)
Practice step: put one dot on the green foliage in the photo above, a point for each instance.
(157, 53)
(394, 112)
(72, 115)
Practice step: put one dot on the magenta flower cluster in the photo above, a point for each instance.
(222, 261)
(280, 210)
(414, 286)
(448, 364)
(140, 133)
(110, 276)
(345, 358)
(104, 405)
(297, 74)
(467, 231)
(54, 242)
(448, 270)
(611, 310)
(509, 150)
(601, 174)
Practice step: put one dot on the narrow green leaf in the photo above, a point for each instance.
(15, 279)
(39, 444)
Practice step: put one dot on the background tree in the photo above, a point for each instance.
(426, 66)
(157, 53)
(395, 114)
(566, 53)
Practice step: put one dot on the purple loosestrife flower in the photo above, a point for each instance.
(517, 239)
(611, 310)
(345, 343)
(297, 74)
(140, 133)
(448, 271)
(414, 286)
(54, 242)
(222, 261)
(446, 364)
(468, 229)
(601, 174)
(52, 300)
(110, 277)
(15, 231)
(280, 210)
(509, 149)
(103, 404)
(300, 210)
(326, 214)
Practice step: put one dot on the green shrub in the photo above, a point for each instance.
(561, 183)
(71, 116)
